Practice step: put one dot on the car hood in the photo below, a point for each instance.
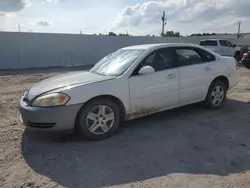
(64, 80)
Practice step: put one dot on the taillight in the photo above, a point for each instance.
(245, 55)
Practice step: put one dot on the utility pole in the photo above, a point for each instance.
(163, 18)
(238, 35)
(19, 28)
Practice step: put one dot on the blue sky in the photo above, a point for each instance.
(138, 17)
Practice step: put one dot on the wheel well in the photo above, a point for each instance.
(223, 79)
(115, 100)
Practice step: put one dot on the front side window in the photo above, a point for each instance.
(188, 57)
(117, 63)
(229, 44)
(223, 43)
(160, 60)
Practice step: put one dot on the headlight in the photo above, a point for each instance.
(53, 99)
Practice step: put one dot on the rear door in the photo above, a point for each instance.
(195, 71)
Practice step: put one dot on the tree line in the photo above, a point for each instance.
(167, 34)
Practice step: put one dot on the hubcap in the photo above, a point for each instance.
(100, 119)
(217, 95)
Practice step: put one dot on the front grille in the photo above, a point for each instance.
(41, 125)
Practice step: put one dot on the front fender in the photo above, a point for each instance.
(116, 87)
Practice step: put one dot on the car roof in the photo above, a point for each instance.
(163, 45)
(160, 45)
(212, 39)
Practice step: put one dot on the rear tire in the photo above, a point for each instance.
(98, 119)
(216, 95)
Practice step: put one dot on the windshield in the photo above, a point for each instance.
(117, 63)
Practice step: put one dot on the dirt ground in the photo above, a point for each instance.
(189, 147)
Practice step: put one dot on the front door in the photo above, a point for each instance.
(156, 90)
(226, 48)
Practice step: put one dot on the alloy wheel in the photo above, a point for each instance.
(100, 119)
(218, 94)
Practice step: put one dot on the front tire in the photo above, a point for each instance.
(216, 95)
(98, 119)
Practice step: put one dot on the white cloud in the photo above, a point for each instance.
(11, 6)
(49, 1)
(183, 13)
(43, 23)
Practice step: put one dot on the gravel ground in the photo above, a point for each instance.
(188, 147)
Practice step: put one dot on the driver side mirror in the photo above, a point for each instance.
(146, 70)
(234, 45)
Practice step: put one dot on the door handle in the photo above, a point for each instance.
(170, 76)
(207, 69)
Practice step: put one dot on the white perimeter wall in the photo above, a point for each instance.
(33, 50)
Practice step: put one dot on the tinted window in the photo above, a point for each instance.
(226, 43)
(187, 56)
(160, 60)
(223, 43)
(208, 43)
(229, 44)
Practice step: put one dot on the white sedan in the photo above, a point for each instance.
(132, 82)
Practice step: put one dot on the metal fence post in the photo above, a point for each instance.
(18, 59)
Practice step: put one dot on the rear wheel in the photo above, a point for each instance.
(98, 119)
(216, 95)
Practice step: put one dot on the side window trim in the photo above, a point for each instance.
(154, 51)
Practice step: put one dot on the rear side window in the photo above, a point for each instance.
(207, 57)
(187, 56)
(191, 56)
(209, 43)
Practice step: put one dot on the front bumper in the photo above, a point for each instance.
(48, 118)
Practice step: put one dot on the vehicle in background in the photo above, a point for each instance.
(132, 82)
(222, 47)
(246, 59)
